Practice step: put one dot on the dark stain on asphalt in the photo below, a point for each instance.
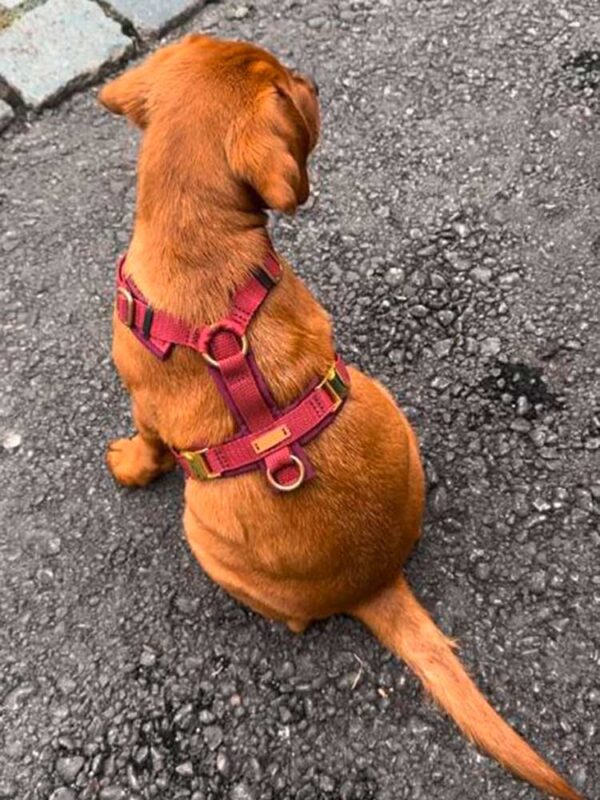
(585, 68)
(522, 387)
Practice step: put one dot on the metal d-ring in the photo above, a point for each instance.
(288, 487)
(213, 361)
(128, 297)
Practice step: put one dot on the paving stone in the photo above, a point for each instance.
(151, 17)
(56, 47)
(6, 114)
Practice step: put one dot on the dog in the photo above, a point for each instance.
(298, 527)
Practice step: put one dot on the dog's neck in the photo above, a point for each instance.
(193, 245)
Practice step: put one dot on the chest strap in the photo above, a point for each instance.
(268, 437)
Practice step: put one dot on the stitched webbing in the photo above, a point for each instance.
(270, 437)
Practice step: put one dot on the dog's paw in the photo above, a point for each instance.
(298, 625)
(132, 462)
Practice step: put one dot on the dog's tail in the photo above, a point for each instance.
(399, 621)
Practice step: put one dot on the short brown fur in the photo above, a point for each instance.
(227, 133)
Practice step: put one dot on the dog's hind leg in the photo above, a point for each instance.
(141, 459)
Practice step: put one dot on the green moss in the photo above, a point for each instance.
(8, 17)
(5, 18)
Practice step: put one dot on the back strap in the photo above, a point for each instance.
(298, 424)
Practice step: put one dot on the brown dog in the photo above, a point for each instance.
(227, 133)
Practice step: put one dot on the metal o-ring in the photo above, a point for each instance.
(288, 487)
(213, 361)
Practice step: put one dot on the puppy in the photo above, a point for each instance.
(227, 131)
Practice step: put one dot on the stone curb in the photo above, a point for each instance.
(63, 45)
(150, 18)
(6, 114)
(57, 47)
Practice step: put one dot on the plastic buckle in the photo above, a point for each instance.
(266, 278)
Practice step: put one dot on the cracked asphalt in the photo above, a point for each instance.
(453, 233)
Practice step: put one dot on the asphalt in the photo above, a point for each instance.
(453, 234)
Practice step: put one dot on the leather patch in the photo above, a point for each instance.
(270, 439)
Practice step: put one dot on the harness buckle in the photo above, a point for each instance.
(335, 387)
(270, 272)
(198, 464)
(126, 294)
(266, 278)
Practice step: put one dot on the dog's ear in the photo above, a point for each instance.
(267, 147)
(128, 95)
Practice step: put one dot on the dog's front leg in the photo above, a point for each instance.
(141, 459)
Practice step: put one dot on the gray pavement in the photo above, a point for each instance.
(453, 233)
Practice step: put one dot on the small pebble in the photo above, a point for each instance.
(213, 736)
(11, 441)
(69, 768)
(186, 770)
(223, 764)
(537, 582)
(491, 346)
(523, 405)
(63, 793)
(395, 276)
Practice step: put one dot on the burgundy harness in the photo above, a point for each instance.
(268, 437)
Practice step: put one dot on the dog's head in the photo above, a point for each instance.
(222, 105)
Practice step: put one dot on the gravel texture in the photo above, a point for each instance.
(453, 233)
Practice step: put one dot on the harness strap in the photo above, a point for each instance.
(299, 423)
(249, 298)
(160, 332)
(238, 378)
(268, 437)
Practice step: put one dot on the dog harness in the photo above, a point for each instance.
(267, 437)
